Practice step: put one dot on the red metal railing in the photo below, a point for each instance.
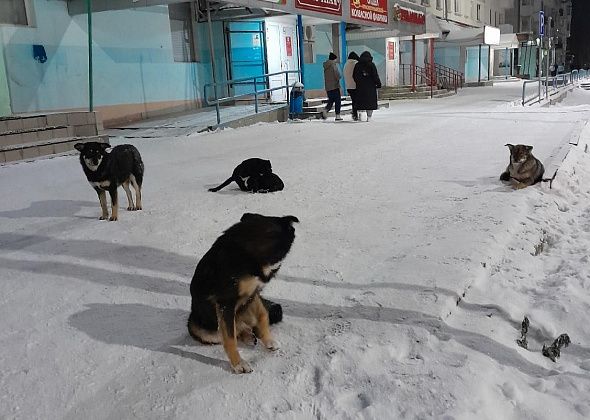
(449, 78)
(417, 75)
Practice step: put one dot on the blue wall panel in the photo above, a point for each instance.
(133, 59)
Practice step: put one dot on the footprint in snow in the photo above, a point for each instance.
(511, 392)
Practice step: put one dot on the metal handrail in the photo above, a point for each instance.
(457, 76)
(256, 92)
(417, 71)
(556, 82)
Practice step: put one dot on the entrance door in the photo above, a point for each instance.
(246, 55)
(391, 62)
(281, 47)
(275, 61)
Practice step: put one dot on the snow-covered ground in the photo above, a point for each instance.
(403, 294)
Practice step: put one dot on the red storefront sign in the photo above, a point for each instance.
(390, 50)
(289, 46)
(333, 7)
(404, 14)
(369, 10)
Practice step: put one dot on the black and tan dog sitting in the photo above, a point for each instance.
(524, 169)
(225, 289)
(106, 171)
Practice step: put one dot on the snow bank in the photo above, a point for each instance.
(401, 218)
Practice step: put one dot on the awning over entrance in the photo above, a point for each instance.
(454, 33)
(509, 41)
(405, 18)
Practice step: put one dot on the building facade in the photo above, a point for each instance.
(524, 17)
(155, 56)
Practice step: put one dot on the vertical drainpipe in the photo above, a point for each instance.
(479, 66)
(432, 63)
(413, 70)
(489, 61)
(90, 79)
(301, 46)
(212, 55)
(343, 52)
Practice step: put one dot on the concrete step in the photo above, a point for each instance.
(402, 88)
(31, 135)
(343, 111)
(55, 146)
(27, 136)
(343, 105)
(85, 123)
(437, 93)
(321, 101)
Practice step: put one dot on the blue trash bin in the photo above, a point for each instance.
(296, 98)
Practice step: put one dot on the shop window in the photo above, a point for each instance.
(14, 12)
(181, 30)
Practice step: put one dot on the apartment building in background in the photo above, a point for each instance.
(558, 19)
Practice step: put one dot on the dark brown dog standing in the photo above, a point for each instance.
(106, 171)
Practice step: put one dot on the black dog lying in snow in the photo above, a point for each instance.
(254, 175)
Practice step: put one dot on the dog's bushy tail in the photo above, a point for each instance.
(138, 166)
(225, 184)
(275, 311)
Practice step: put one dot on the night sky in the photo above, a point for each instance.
(580, 35)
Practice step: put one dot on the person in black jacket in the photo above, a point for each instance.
(367, 82)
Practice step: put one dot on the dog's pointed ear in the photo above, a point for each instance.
(249, 216)
(79, 146)
(510, 146)
(291, 219)
(529, 148)
(104, 146)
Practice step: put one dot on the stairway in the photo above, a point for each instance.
(392, 93)
(312, 108)
(29, 136)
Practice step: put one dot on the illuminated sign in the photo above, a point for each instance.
(333, 7)
(370, 10)
(407, 15)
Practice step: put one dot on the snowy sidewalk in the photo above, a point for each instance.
(401, 218)
(187, 123)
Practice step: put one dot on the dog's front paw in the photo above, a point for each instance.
(113, 219)
(241, 367)
(103, 217)
(131, 208)
(247, 337)
(272, 345)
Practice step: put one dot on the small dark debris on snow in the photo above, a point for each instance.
(554, 350)
(524, 329)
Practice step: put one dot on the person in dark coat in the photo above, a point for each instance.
(367, 82)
